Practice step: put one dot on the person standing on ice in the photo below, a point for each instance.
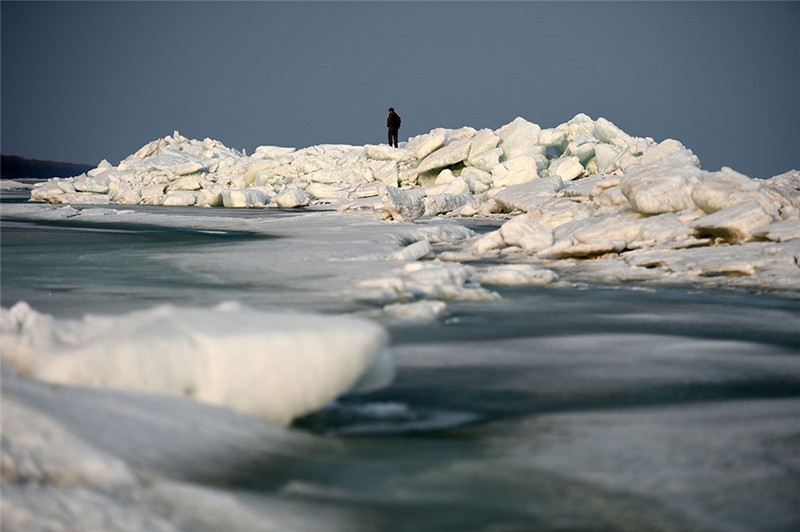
(393, 123)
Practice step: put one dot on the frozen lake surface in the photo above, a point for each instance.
(571, 406)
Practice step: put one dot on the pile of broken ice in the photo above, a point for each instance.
(584, 189)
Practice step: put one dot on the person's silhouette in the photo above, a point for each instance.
(393, 123)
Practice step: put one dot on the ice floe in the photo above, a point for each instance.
(431, 280)
(8, 184)
(272, 366)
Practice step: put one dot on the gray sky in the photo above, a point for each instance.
(83, 82)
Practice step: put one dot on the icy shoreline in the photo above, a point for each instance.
(582, 197)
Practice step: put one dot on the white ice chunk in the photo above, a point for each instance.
(291, 197)
(609, 197)
(274, 366)
(180, 198)
(101, 168)
(453, 153)
(190, 167)
(564, 250)
(553, 137)
(96, 185)
(190, 182)
(515, 171)
(465, 132)
(438, 231)
(669, 228)
(483, 141)
(448, 183)
(785, 188)
(664, 185)
(385, 172)
(486, 161)
(426, 280)
(38, 450)
(782, 231)
(518, 137)
(530, 195)
(325, 191)
(147, 150)
(46, 192)
(488, 242)
(152, 194)
(418, 311)
(444, 203)
(581, 188)
(734, 223)
(568, 168)
(582, 148)
(402, 205)
(726, 188)
(559, 211)
(271, 152)
(605, 131)
(649, 153)
(517, 274)
(429, 143)
(720, 262)
(524, 232)
(415, 251)
(598, 229)
(477, 180)
(246, 197)
(438, 280)
(8, 184)
(580, 124)
(368, 190)
(80, 198)
(605, 156)
(211, 197)
(384, 152)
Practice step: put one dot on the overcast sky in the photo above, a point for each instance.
(82, 82)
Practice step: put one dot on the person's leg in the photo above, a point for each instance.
(390, 136)
(395, 135)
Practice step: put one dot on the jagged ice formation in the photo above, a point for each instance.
(584, 189)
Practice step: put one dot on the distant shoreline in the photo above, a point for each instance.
(16, 167)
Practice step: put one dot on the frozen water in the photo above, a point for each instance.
(526, 395)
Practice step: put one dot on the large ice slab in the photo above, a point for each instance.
(734, 223)
(529, 196)
(519, 169)
(519, 137)
(453, 153)
(526, 233)
(664, 185)
(268, 365)
(400, 204)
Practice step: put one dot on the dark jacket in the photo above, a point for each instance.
(393, 122)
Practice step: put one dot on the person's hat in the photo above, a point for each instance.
(391, 108)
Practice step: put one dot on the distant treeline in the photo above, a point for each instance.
(15, 167)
